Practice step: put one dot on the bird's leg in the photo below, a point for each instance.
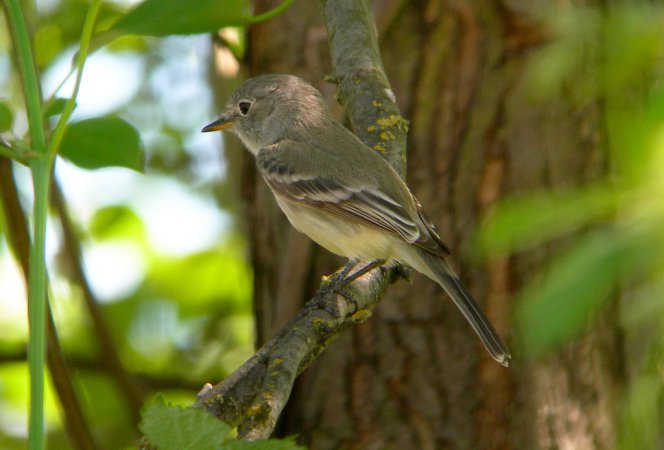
(345, 279)
(341, 279)
(336, 280)
(366, 269)
(333, 283)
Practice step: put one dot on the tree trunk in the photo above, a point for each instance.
(415, 376)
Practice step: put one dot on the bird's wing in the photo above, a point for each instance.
(287, 169)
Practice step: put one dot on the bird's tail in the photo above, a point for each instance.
(445, 276)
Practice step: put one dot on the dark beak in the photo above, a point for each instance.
(220, 124)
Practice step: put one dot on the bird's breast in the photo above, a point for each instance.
(343, 237)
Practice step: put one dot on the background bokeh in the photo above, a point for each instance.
(162, 255)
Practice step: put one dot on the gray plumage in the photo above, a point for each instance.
(338, 191)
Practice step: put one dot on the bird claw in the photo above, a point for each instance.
(347, 279)
(337, 283)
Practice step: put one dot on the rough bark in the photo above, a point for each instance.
(414, 375)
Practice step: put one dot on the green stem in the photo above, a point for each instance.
(41, 167)
(271, 13)
(8, 152)
(49, 101)
(40, 174)
(28, 73)
(86, 35)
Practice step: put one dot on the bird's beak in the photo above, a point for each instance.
(223, 123)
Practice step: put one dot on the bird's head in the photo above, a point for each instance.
(268, 108)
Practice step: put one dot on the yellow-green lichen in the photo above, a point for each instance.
(379, 148)
(387, 135)
(319, 323)
(361, 316)
(390, 121)
(371, 128)
(258, 411)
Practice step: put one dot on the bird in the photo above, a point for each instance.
(338, 191)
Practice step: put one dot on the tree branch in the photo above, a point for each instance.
(253, 397)
(361, 81)
(152, 382)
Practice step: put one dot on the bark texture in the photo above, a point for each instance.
(415, 375)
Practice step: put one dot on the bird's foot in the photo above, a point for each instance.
(338, 281)
(347, 279)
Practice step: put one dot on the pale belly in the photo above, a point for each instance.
(340, 236)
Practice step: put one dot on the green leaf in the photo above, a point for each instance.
(636, 133)
(527, 220)
(641, 414)
(55, 107)
(171, 427)
(6, 117)
(216, 276)
(553, 309)
(102, 142)
(268, 444)
(116, 221)
(166, 17)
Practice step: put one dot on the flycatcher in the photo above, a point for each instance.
(338, 191)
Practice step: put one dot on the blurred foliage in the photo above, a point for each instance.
(160, 18)
(610, 233)
(171, 428)
(6, 117)
(181, 317)
(172, 17)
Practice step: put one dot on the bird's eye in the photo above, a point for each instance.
(244, 107)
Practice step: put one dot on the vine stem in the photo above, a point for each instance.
(86, 35)
(270, 14)
(41, 167)
(40, 174)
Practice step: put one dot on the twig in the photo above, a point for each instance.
(361, 81)
(254, 395)
(96, 365)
